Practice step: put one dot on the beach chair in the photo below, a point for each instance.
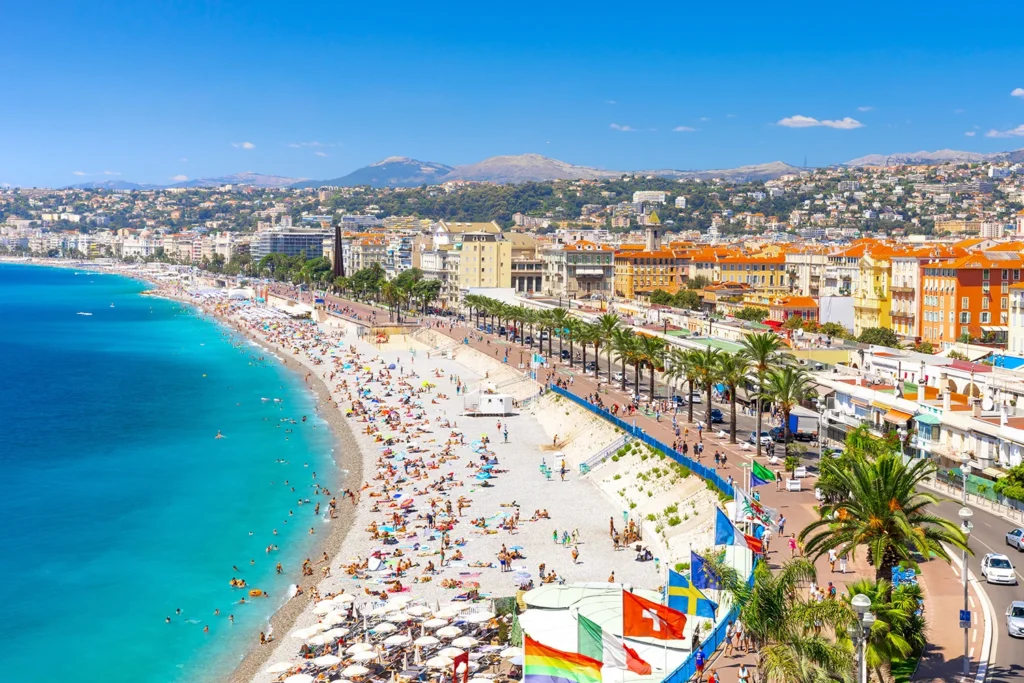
(584, 468)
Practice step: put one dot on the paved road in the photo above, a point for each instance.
(988, 536)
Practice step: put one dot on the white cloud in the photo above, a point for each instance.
(705, 118)
(627, 129)
(610, 102)
(111, 173)
(730, 116)
(865, 108)
(79, 173)
(298, 145)
(970, 133)
(1017, 92)
(1017, 132)
(684, 129)
(179, 178)
(321, 154)
(243, 145)
(800, 121)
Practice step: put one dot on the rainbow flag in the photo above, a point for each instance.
(543, 664)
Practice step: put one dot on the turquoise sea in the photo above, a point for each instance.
(118, 505)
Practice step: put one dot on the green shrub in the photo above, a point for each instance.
(672, 509)
(617, 477)
(674, 521)
(650, 517)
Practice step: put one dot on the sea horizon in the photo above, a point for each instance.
(122, 504)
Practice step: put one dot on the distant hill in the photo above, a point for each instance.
(390, 172)
(247, 178)
(523, 168)
(941, 156)
(110, 185)
(769, 171)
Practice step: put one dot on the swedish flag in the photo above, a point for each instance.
(686, 598)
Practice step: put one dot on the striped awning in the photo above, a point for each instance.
(879, 405)
(927, 418)
(897, 417)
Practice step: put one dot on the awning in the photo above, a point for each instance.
(897, 417)
(994, 473)
(879, 405)
(927, 418)
(995, 328)
(859, 402)
(823, 390)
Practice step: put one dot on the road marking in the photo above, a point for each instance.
(972, 602)
(974, 636)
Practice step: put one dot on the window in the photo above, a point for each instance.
(984, 303)
(1002, 318)
(1006, 273)
(965, 302)
(985, 274)
(986, 318)
(965, 317)
(965, 330)
(1003, 302)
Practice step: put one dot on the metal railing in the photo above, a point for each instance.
(606, 452)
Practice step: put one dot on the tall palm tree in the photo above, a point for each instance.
(652, 354)
(587, 335)
(786, 629)
(884, 512)
(763, 349)
(546, 324)
(392, 296)
(732, 372)
(559, 321)
(605, 327)
(684, 368)
(898, 631)
(623, 344)
(706, 362)
(574, 327)
(786, 387)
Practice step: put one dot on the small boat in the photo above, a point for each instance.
(82, 313)
(111, 305)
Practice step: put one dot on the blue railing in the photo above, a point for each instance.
(714, 640)
(706, 473)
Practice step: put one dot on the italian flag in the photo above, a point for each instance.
(608, 648)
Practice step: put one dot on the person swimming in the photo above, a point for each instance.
(219, 435)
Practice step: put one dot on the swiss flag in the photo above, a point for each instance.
(645, 619)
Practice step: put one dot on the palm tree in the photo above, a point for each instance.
(546, 324)
(884, 511)
(786, 629)
(683, 367)
(786, 387)
(586, 335)
(706, 362)
(763, 349)
(898, 631)
(652, 354)
(605, 328)
(392, 297)
(623, 344)
(732, 372)
(559, 321)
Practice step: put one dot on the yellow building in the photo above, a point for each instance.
(638, 273)
(485, 260)
(871, 299)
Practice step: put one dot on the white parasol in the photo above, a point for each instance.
(355, 670)
(359, 647)
(384, 627)
(324, 606)
(337, 632)
(426, 641)
(452, 652)
(439, 662)
(397, 639)
(449, 632)
(510, 652)
(281, 667)
(418, 610)
(465, 642)
(364, 656)
(479, 617)
(434, 623)
(326, 660)
(299, 678)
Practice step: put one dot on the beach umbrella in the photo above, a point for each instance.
(307, 632)
(434, 623)
(400, 616)
(479, 617)
(359, 647)
(321, 639)
(326, 660)
(426, 641)
(449, 632)
(479, 679)
(345, 680)
(438, 663)
(337, 632)
(446, 613)
(378, 611)
(397, 639)
(384, 627)
(343, 599)
(299, 678)
(324, 606)
(465, 642)
(510, 652)
(281, 667)
(452, 652)
(364, 656)
(418, 610)
(355, 670)
(334, 618)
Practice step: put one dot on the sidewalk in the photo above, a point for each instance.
(943, 597)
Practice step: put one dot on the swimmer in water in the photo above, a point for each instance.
(167, 620)
(206, 629)
(219, 435)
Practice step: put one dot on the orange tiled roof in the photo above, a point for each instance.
(795, 302)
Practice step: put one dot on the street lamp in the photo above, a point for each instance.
(902, 433)
(859, 633)
(966, 514)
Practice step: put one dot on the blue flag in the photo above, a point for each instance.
(725, 532)
(686, 598)
(700, 576)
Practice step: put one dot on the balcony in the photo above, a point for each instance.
(901, 290)
(902, 315)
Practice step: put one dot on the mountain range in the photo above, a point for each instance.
(406, 172)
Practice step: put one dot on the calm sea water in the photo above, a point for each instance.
(118, 505)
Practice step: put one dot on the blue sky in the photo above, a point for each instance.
(151, 91)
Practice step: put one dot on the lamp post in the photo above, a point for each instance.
(965, 526)
(902, 434)
(859, 633)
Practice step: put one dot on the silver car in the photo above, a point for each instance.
(1015, 619)
(1015, 539)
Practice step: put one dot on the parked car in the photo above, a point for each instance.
(679, 400)
(1015, 539)
(1015, 619)
(695, 397)
(565, 354)
(776, 434)
(591, 366)
(617, 377)
(529, 340)
(716, 416)
(765, 439)
(996, 568)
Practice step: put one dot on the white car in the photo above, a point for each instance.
(1015, 539)
(996, 568)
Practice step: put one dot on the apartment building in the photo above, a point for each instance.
(579, 269)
